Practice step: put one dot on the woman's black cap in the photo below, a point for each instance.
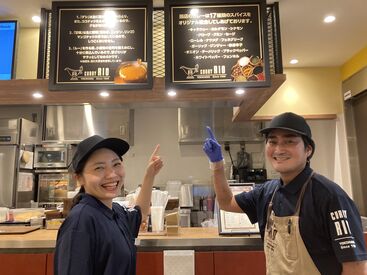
(291, 122)
(86, 147)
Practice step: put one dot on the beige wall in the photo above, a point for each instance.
(27, 54)
(307, 91)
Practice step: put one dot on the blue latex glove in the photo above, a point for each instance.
(212, 148)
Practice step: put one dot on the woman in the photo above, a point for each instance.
(98, 236)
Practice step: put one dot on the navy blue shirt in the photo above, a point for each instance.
(95, 239)
(330, 224)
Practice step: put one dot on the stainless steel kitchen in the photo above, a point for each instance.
(190, 66)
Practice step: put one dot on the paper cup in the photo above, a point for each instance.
(157, 218)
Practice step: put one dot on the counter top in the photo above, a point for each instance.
(198, 238)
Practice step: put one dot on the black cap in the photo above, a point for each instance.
(91, 144)
(291, 122)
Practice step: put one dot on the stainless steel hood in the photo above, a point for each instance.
(73, 123)
(356, 84)
(192, 123)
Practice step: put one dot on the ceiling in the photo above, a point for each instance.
(303, 34)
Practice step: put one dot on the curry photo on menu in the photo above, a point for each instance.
(131, 72)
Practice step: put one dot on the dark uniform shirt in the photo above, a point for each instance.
(330, 224)
(95, 239)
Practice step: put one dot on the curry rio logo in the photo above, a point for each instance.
(339, 217)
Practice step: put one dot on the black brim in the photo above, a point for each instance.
(91, 144)
(267, 130)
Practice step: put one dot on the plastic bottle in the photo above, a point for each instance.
(210, 203)
(205, 204)
(201, 203)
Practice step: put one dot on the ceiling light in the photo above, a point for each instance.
(171, 93)
(36, 19)
(240, 92)
(329, 19)
(293, 61)
(37, 95)
(104, 94)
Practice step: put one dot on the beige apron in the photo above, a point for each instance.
(283, 245)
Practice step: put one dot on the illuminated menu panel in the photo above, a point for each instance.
(217, 45)
(101, 45)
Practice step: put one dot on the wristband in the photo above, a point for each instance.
(216, 165)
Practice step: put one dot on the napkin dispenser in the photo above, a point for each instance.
(172, 221)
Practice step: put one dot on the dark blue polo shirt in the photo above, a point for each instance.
(95, 239)
(330, 224)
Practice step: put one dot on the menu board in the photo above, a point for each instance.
(236, 223)
(216, 45)
(101, 45)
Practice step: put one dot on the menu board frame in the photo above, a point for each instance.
(229, 223)
(106, 76)
(217, 79)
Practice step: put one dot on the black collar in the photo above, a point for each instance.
(296, 184)
(97, 204)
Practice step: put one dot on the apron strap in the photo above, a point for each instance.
(270, 207)
(298, 206)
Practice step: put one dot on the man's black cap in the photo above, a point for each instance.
(291, 122)
(91, 144)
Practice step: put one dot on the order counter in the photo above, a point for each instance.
(32, 253)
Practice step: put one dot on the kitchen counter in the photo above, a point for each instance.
(198, 238)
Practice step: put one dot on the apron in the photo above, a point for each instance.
(284, 249)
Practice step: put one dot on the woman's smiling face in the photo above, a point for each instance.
(103, 175)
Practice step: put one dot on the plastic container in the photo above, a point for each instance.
(25, 214)
(54, 224)
(173, 187)
(4, 214)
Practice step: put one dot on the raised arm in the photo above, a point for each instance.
(155, 164)
(224, 194)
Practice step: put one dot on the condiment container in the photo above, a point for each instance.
(4, 214)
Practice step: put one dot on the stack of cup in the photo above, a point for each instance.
(159, 202)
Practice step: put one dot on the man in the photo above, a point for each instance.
(308, 223)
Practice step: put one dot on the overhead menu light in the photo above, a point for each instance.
(240, 92)
(104, 94)
(171, 93)
(329, 19)
(37, 95)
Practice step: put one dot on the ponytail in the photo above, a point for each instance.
(78, 197)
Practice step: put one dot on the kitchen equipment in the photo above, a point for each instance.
(185, 217)
(256, 175)
(73, 123)
(53, 155)
(243, 163)
(17, 136)
(53, 187)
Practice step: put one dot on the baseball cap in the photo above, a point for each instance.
(86, 147)
(291, 122)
